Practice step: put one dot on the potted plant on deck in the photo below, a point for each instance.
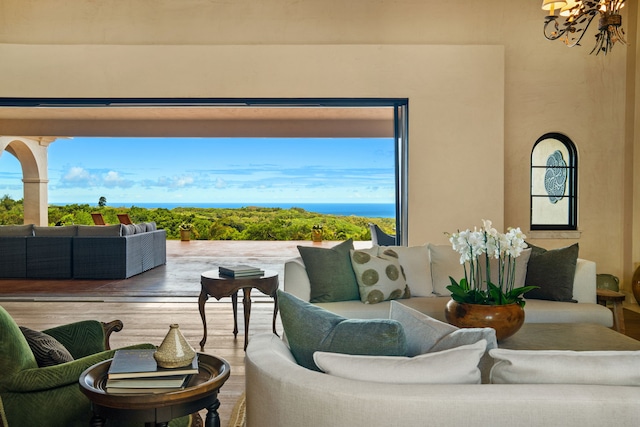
(185, 231)
(481, 299)
(316, 233)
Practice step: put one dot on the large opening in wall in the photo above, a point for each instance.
(352, 129)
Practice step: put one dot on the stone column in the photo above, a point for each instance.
(36, 201)
(32, 153)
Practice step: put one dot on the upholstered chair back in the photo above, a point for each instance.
(15, 354)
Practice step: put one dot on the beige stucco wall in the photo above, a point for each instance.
(182, 48)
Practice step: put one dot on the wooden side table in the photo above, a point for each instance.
(200, 392)
(605, 295)
(218, 286)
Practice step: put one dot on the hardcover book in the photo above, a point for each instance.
(121, 390)
(240, 271)
(173, 381)
(141, 364)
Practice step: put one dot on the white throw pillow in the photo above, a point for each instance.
(422, 331)
(445, 262)
(455, 366)
(415, 263)
(619, 368)
(379, 279)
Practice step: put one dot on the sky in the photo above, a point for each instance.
(129, 171)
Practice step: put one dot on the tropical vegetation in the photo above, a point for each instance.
(247, 223)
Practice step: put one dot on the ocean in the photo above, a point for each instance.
(368, 210)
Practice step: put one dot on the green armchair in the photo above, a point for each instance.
(50, 396)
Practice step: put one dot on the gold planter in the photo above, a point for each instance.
(505, 319)
(185, 235)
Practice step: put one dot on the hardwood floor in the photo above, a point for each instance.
(148, 322)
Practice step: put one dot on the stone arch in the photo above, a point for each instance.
(31, 152)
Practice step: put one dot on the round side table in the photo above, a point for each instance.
(200, 392)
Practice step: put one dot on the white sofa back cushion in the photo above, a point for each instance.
(454, 366)
(415, 264)
(565, 367)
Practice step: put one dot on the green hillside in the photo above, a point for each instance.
(248, 223)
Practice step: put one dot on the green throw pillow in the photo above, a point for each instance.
(310, 328)
(330, 272)
(553, 271)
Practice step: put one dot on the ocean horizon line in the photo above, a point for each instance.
(368, 210)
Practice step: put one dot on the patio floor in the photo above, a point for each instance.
(178, 280)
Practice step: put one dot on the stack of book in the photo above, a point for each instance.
(136, 371)
(240, 271)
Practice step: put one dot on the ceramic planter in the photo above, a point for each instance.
(505, 319)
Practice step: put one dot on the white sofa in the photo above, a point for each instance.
(586, 310)
(280, 393)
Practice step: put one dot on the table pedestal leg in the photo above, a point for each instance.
(201, 300)
(275, 312)
(97, 421)
(213, 419)
(234, 303)
(246, 301)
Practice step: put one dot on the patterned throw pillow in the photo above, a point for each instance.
(379, 279)
(416, 266)
(46, 349)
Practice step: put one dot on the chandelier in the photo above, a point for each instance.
(575, 16)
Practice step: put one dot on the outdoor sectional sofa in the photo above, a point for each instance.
(80, 251)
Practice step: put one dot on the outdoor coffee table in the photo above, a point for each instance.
(568, 336)
(200, 392)
(219, 286)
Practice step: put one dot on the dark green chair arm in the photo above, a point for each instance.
(3, 416)
(86, 337)
(50, 377)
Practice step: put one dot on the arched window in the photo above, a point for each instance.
(554, 183)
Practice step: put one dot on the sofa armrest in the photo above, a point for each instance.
(584, 282)
(296, 280)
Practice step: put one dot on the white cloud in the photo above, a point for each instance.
(77, 174)
(221, 183)
(113, 179)
(181, 181)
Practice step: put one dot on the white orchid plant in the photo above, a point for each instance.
(477, 287)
